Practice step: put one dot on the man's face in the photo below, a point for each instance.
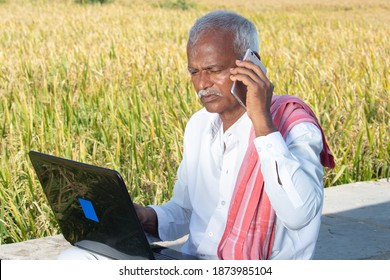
(209, 63)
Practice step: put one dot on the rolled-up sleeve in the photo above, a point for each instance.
(293, 173)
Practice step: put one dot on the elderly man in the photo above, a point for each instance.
(250, 184)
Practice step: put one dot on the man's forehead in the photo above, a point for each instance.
(202, 59)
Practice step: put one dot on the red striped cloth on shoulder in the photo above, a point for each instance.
(249, 230)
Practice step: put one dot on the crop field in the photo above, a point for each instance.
(108, 85)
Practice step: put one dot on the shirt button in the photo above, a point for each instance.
(227, 171)
(211, 234)
(223, 203)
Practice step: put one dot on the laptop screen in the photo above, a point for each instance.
(91, 203)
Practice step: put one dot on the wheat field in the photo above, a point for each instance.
(108, 85)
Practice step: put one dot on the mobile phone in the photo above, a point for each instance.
(249, 56)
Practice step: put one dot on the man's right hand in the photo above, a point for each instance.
(148, 218)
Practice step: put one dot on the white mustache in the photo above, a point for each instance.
(208, 92)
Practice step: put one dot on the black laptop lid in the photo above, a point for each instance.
(91, 203)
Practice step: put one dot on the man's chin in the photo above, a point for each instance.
(219, 108)
(210, 108)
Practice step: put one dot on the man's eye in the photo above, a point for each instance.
(193, 72)
(216, 70)
(211, 71)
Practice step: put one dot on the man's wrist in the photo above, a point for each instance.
(151, 223)
(264, 125)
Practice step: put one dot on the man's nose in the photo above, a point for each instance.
(205, 80)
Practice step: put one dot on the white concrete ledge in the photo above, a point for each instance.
(355, 225)
(46, 248)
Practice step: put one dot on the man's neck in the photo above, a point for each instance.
(228, 119)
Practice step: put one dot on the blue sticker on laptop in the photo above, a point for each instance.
(88, 210)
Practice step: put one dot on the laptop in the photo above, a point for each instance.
(94, 210)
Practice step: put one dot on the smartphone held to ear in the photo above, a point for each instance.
(249, 56)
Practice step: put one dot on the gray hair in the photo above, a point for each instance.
(243, 30)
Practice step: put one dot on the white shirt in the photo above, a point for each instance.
(207, 175)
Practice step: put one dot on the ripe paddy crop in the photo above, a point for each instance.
(108, 85)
